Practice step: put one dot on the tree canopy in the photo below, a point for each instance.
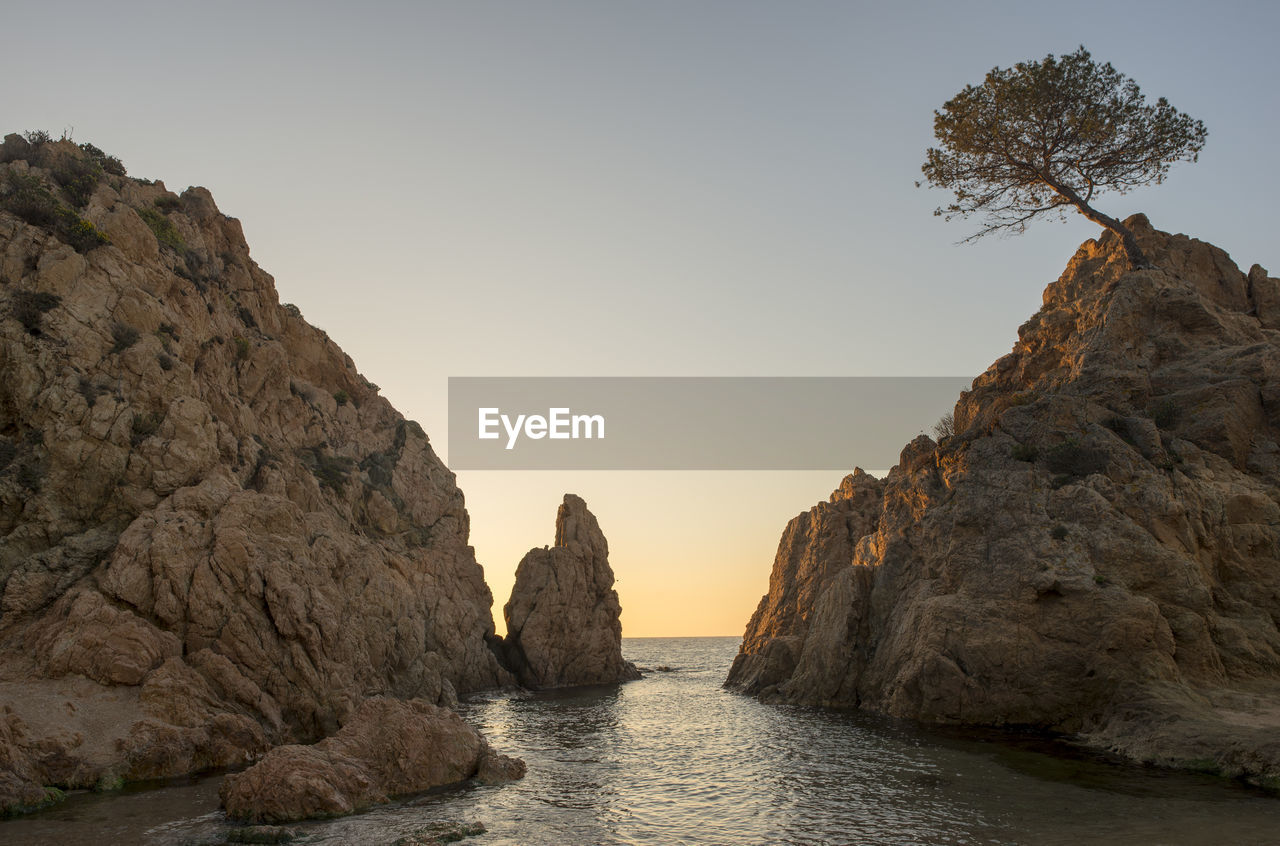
(1042, 137)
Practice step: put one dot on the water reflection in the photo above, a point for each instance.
(674, 759)
(570, 740)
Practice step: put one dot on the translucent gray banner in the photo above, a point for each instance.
(691, 423)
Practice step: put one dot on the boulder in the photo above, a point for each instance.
(388, 748)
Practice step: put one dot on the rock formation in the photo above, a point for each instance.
(215, 535)
(389, 747)
(815, 547)
(1096, 551)
(563, 626)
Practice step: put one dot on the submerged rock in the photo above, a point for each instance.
(261, 834)
(215, 535)
(563, 619)
(439, 833)
(389, 748)
(1095, 551)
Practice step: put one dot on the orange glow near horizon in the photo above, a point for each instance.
(691, 552)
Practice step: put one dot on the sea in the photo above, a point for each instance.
(675, 759)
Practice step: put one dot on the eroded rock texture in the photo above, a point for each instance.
(215, 536)
(815, 547)
(388, 748)
(563, 619)
(1097, 550)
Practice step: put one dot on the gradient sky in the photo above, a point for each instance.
(599, 188)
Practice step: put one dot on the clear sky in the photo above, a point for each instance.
(632, 188)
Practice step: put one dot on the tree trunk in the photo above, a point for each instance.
(1137, 259)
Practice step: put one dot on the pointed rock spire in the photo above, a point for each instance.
(563, 626)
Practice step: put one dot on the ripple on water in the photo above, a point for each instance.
(675, 759)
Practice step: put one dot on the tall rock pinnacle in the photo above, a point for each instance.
(563, 626)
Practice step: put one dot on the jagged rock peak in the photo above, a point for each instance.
(856, 485)
(564, 623)
(577, 529)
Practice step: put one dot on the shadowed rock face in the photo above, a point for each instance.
(1095, 551)
(214, 534)
(563, 620)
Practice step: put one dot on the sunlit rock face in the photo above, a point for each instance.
(216, 535)
(1097, 549)
(564, 623)
(816, 547)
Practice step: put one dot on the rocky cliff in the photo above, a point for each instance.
(215, 535)
(815, 547)
(1096, 551)
(564, 623)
